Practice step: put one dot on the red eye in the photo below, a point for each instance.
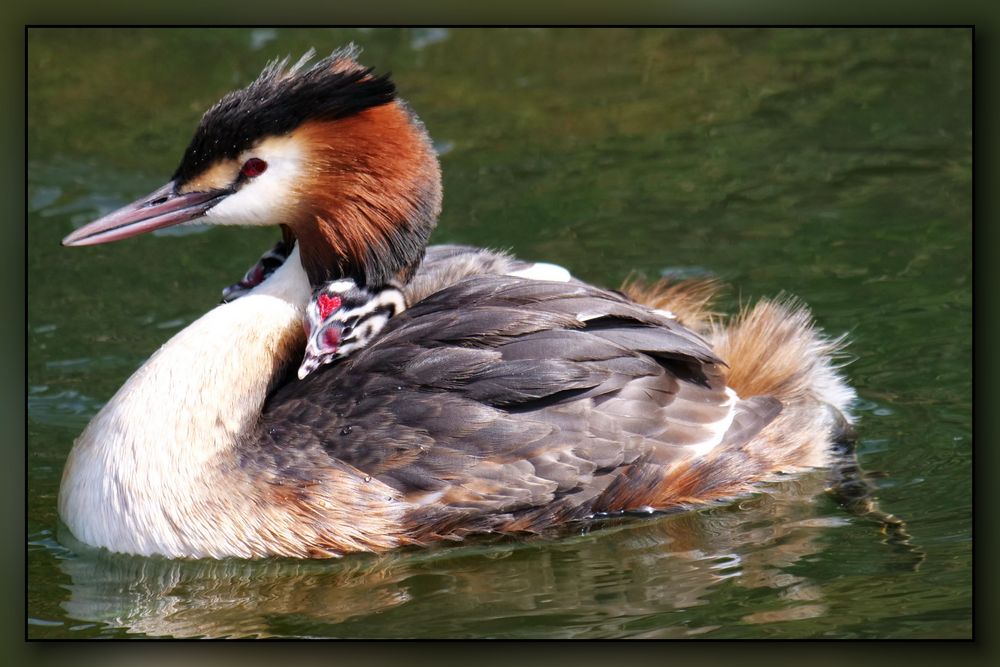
(253, 167)
(327, 304)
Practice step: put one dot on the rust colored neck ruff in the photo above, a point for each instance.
(371, 197)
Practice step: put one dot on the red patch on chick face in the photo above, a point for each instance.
(327, 304)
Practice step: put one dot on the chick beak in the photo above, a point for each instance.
(161, 208)
(315, 356)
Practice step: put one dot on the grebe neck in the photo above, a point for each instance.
(137, 475)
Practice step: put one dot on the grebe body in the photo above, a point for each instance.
(506, 397)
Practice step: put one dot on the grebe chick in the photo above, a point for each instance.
(259, 272)
(343, 317)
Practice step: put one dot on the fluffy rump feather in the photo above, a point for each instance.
(774, 349)
(690, 301)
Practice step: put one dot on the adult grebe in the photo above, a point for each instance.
(493, 403)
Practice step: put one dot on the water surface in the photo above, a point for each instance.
(834, 165)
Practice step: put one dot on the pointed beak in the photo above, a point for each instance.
(307, 367)
(164, 207)
(316, 356)
(311, 362)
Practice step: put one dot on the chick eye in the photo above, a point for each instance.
(331, 338)
(253, 167)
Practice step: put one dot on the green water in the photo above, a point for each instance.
(831, 164)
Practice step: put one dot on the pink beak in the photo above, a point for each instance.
(161, 208)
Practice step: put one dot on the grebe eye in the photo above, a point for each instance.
(253, 167)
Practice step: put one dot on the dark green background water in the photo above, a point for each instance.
(831, 164)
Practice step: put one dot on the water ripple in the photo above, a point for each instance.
(67, 408)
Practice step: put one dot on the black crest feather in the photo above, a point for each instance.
(281, 99)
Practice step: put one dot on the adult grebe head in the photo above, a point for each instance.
(325, 150)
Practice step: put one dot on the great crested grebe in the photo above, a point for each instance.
(495, 402)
